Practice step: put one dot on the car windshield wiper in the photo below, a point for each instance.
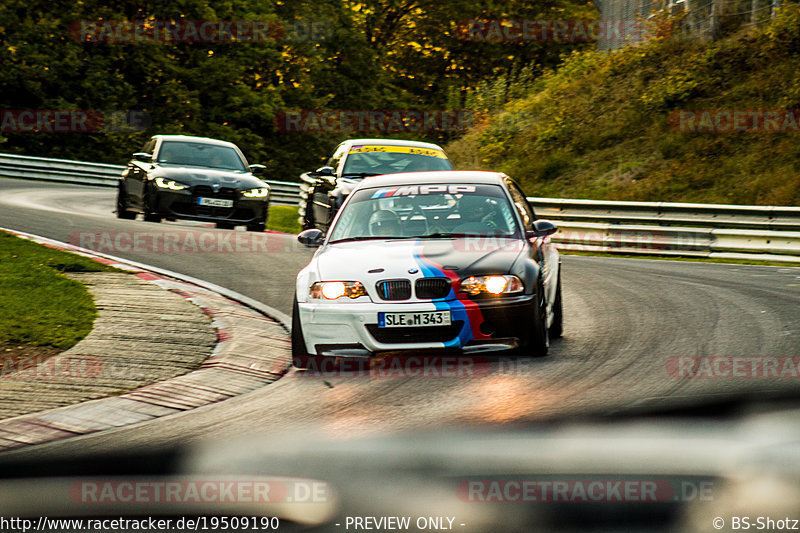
(201, 166)
(358, 174)
(370, 238)
(459, 235)
(443, 235)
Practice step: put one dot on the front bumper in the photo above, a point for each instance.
(351, 328)
(184, 204)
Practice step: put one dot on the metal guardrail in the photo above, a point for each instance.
(64, 170)
(670, 214)
(306, 181)
(283, 193)
(770, 233)
(653, 228)
(101, 174)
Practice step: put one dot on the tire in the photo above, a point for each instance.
(122, 204)
(557, 327)
(308, 217)
(539, 342)
(150, 214)
(224, 225)
(257, 226)
(300, 355)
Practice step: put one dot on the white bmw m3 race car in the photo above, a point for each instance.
(451, 261)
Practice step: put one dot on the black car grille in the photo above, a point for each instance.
(189, 209)
(430, 288)
(415, 335)
(225, 193)
(394, 289)
(207, 192)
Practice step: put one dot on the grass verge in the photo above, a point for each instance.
(40, 306)
(283, 218)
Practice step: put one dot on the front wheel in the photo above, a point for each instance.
(224, 225)
(300, 355)
(308, 216)
(122, 204)
(257, 226)
(540, 337)
(557, 327)
(151, 207)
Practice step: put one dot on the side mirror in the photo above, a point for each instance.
(311, 237)
(324, 172)
(258, 170)
(143, 157)
(542, 228)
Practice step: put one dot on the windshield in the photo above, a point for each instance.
(370, 160)
(197, 154)
(426, 211)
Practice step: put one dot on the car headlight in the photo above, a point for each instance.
(505, 284)
(172, 185)
(261, 192)
(331, 290)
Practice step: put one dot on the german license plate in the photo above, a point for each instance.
(215, 202)
(416, 319)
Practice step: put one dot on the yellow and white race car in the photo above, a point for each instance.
(356, 159)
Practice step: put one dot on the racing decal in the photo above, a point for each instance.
(429, 152)
(414, 190)
(459, 304)
(383, 193)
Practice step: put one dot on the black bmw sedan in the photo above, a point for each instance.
(196, 178)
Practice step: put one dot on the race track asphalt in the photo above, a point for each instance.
(626, 323)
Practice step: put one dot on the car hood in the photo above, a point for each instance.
(419, 257)
(208, 176)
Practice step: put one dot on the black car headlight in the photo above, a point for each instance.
(498, 284)
(172, 185)
(259, 192)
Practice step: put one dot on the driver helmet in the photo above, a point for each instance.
(474, 208)
(384, 223)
